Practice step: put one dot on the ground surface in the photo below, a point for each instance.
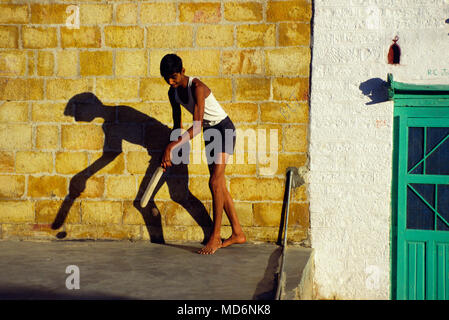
(136, 270)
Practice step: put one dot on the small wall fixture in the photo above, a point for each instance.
(394, 54)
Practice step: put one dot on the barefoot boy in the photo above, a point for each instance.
(207, 113)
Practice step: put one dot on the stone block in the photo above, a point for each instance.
(206, 12)
(295, 138)
(220, 87)
(161, 111)
(137, 162)
(124, 37)
(31, 55)
(101, 212)
(265, 234)
(39, 37)
(291, 89)
(82, 137)
(13, 111)
(244, 213)
(47, 137)
(64, 89)
(67, 63)
(6, 162)
(215, 36)
(45, 63)
(176, 215)
(49, 112)
(131, 215)
(254, 89)
(199, 187)
(48, 13)
(243, 11)
(27, 231)
(47, 211)
(13, 63)
(34, 162)
(14, 14)
(298, 10)
(285, 112)
(118, 89)
(294, 34)
(242, 112)
(95, 14)
(287, 61)
(131, 63)
(15, 136)
(95, 187)
(47, 186)
(257, 189)
(242, 62)
(126, 13)
(256, 35)
(84, 37)
(9, 37)
(121, 187)
(71, 162)
(246, 168)
(16, 212)
(103, 232)
(154, 89)
(152, 13)
(12, 186)
(96, 63)
(170, 37)
(267, 214)
(21, 89)
(299, 215)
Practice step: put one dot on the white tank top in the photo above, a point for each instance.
(213, 112)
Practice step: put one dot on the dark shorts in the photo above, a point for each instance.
(219, 138)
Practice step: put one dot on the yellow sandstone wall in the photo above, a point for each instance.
(254, 55)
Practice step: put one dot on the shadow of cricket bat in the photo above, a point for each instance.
(151, 186)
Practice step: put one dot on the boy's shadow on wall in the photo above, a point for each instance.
(123, 123)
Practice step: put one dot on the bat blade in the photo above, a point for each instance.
(151, 186)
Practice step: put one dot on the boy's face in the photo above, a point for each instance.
(175, 79)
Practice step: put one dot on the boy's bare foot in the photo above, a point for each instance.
(234, 238)
(212, 245)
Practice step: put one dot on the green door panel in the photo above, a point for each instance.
(420, 191)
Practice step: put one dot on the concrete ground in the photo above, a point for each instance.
(137, 270)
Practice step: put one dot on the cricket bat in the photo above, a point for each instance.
(151, 186)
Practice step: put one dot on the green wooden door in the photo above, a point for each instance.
(421, 196)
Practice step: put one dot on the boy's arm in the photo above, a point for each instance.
(176, 110)
(198, 114)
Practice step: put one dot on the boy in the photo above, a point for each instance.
(198, 99)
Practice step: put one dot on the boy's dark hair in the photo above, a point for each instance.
(170, 64)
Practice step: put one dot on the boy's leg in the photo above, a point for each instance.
(237, 233)
(222, 200)
(216, 184)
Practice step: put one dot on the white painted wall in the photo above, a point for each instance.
(351, 142)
